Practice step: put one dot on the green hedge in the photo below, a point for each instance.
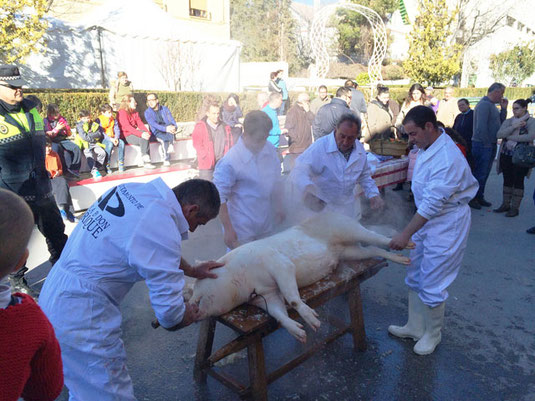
(184, 105)
(512, 94)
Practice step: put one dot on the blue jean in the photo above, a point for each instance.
(281, 111)
(69, 153)
(109, 147)
(483, 155)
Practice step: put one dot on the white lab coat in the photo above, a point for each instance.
(323, 171)
(132, 233)
(443, 185)
(248, 184)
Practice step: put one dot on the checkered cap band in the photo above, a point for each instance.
(12, 78)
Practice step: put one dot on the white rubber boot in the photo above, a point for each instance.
(434, 319)
(415, 326)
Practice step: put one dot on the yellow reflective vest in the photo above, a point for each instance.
(22, 153)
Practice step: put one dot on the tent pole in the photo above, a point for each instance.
(102, 77)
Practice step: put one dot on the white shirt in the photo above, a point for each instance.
(247, 183)
(132, 233)
(442, 179)
(323, 171)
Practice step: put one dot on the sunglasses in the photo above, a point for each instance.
(11, 86)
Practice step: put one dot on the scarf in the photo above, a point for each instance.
(10, 108)
(229, 109)
(510, 145)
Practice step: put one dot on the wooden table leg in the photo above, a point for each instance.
(357, 318)
(257, 370)
(204, 349)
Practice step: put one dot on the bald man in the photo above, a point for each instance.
(299, 125)
(447, 108)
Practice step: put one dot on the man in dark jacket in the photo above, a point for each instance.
(22, 160)
(358, 102)
(464, 125)
(299, 125)
(329, 114)
(487, 122)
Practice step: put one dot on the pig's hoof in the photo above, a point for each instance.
(296, 330)
(314, 323)
(404, 260)
(310, 316)
(410, 245)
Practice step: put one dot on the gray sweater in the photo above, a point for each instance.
(487, 121)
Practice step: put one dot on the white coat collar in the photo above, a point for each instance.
(246, 155)
(436, 146)
(168, 194)
(331, 147)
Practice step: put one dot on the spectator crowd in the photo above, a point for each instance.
(318, 144)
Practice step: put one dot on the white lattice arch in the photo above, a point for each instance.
(318, 43)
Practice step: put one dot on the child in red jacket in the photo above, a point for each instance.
(30, 362)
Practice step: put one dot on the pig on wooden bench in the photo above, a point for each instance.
(275, 267)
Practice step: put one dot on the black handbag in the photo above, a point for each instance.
(524, 155)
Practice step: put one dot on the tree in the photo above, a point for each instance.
(477, 20)
(355, 34)
(21, 28)
(514, 65)
(267, 30)
(434, 57)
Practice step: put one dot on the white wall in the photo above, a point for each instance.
(256, 75)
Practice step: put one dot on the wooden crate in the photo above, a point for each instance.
(389, 147)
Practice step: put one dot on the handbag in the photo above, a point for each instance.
(524, 155)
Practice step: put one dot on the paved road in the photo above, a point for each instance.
(487, 352)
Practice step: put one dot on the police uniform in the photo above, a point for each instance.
(22, 166)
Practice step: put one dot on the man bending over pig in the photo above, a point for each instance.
(132, 233)
(327, 173)
(249, 181)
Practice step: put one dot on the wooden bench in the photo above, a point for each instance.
(252, 324)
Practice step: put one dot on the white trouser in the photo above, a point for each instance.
(164, 147)
(88, 328)
(437, 258)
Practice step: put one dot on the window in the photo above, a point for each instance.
(199, 9)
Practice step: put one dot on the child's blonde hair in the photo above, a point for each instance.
(16, 225)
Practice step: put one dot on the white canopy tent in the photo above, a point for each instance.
(157, 51)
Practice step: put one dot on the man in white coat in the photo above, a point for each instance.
(249, 182)
(327, 173)
(443, 185)
(132, 233)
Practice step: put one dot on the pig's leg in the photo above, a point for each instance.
(189, 285)
(359, 252)
(273, 304)
(283, 271)
(371, 237)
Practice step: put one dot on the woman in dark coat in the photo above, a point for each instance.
(231, 114)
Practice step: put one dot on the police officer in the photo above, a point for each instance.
(22, 159)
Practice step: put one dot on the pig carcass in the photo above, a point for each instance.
(275, 267)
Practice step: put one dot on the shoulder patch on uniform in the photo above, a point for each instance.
(3, 129)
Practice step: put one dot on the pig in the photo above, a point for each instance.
(274, 268)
